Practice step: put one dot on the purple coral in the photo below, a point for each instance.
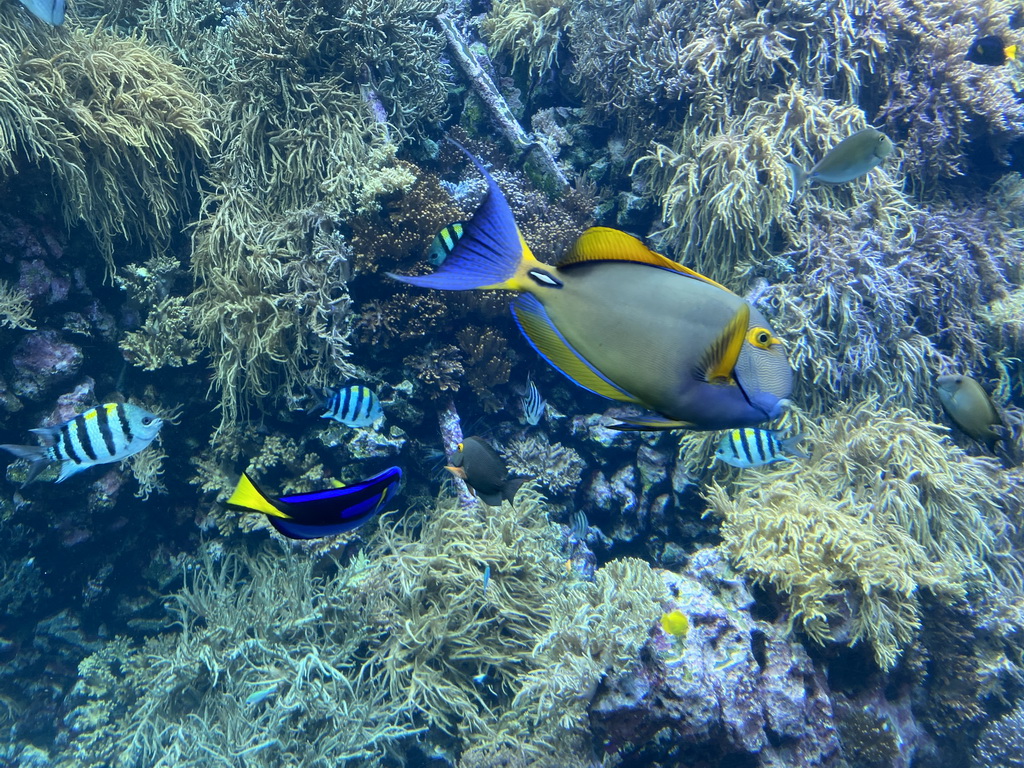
(41, 360)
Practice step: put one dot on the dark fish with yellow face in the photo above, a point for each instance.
(627, 323)
(991, 51)
(481, 467)
(969, 405)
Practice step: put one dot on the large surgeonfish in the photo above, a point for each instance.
(627, 323)
(850, 158)
(320, 513)
(50, 11)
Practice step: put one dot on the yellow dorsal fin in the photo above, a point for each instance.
(719, 360)
(607, 244)
(249, 498)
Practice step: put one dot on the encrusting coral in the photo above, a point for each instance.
(887, 506)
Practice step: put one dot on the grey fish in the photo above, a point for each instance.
(482, 468)
(969, 405)
(101, 435)
(852, 157)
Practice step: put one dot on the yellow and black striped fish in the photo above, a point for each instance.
(101, 435)
(354, 406)
(444, 243)
(755, 447)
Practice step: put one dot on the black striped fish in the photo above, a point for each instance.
(101, 435)
(756, 447)
(533, 404)
(354, 406)
(444, 243)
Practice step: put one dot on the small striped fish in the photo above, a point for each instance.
(354, 406)
(533, 404)
(444, 243)
(756, 447)
(101, 435)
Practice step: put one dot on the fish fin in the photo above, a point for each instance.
(607, 244)
(34, 453)
(249, 498)
(789, 445)
(50, 11)
(1011, 52)
(67, 469)
(459, 472)
(798, 177)
(650, 423)
(490, 499)
(719, 360)
(538, 329)
(48, 434)
(491, 254)
(511, 488)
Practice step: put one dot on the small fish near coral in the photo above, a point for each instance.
(756, 447)
(485, 473)
(626, 323)
(533, 404)
(319, 513)
(444, 243)
(849, 159)
(354, 406)
(970, 407)
(100, 435)
(991, 51)
(50, 11)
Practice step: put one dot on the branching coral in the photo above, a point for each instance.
(837, 534)
(15, 308)
(530, 30)
(120, 127)
(440, 368)
(556, 467)
(489, 362)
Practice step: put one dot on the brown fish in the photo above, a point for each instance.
(969, 405)
(481, 467)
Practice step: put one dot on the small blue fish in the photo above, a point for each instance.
(354, 406)
(320, 513)
(444, 243)
(257, 697)
(756, 447)
(480, 679)
(533, 404)
(50, 11)
(487, 578)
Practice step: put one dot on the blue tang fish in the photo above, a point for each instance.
(320, 513)
(626, 323)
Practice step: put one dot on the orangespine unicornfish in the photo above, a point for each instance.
(320, 513)
(626, 323)
(481, 467)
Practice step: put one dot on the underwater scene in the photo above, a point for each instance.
(511, 383)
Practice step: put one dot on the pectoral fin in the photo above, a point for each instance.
(649, 424)
(719, 360)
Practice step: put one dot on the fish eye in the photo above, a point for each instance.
(147, 420)
(458, 447)
(762, 338)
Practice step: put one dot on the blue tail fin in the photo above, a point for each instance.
(489, 251)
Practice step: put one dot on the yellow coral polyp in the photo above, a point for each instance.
(675, 623)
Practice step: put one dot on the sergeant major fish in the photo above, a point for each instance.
(444, 243)
(354, 406)
(757, 447)
(852, 157)
(100, 435)
(626, 323)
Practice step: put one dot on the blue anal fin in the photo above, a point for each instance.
(336, 510)
(533, 321)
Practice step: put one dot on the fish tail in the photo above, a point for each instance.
(1011, 52)
(798, 178)
(788, 445)
(37, 454)
(491, 254)
(511, 488)
(249, 498)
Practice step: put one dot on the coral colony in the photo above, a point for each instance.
(200, 205)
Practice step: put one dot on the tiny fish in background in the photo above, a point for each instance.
(355, 406)
(487, 578)
(969, 405)
(991, 51)
(757, 447)
(101, 435)
(482, 468)
(444, 243)
(257, 697)
(852, 157)
(50, 11)
(675, 623)
(578, 525)
(533, 404)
